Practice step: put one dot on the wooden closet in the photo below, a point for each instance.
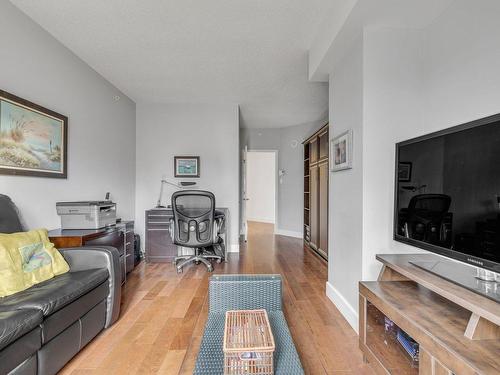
(316, 173)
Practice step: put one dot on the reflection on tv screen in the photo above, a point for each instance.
(448, 191)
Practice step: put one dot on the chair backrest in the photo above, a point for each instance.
(426, 214)
(193, 212)
(429, 206)
(10, 222)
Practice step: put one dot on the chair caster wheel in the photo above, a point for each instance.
(210, 269)
(219, 260)
(179, 270)
(197, 262)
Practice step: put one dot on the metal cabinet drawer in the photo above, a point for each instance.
(158, 225)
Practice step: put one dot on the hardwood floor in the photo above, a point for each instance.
(163, 314)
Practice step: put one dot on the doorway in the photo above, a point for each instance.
(261, 187)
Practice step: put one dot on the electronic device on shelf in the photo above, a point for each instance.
(458, 215)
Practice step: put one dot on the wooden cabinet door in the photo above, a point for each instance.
(313, 211)
(323, 145)
(323, 209)
(313, 151)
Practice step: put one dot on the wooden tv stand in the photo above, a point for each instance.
(458, 331)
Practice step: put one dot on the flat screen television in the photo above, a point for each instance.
(447, 193)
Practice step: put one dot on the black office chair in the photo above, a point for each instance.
(194, 226)
(426, 216)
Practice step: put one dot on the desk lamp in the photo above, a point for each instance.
(179, 185)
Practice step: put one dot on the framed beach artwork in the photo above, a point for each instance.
(341, 152)
(33, 139)
(187, 166)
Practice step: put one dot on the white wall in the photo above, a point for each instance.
(101, 145)
(288, 142)
(261, 186)
(462, 59)
(393, 92)
(414, 81)
(208, 131)
(346, 187)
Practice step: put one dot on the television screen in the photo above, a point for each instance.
(448, 192)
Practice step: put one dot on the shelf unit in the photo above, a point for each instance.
(307, 232)
(458, 331)
(316, 164)
(385, 346)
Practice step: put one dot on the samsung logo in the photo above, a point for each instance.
(475, 261)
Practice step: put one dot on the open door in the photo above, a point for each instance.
(244, 197)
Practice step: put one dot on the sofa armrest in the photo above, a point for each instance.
(84, 258)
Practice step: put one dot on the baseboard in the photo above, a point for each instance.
(234, 248)
(344, 307)
(288, 233)
(259, 220)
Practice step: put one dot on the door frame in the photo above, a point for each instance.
(276, 181)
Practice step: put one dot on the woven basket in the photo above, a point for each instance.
(248, 343)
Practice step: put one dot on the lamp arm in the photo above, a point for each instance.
(170, 183)
(178, 186)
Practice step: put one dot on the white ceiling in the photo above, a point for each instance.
(247, 52)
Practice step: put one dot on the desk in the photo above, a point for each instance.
(158, 245)
(120, 236)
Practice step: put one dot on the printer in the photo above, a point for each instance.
(86, 214)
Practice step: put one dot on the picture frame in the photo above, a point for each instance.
(341, 152)
(187, 166)
(404, 171)
(33, 139)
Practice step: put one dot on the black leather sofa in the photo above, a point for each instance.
(43, 327)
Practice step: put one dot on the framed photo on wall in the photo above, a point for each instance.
(33, 139)
(187, 166)
(341, 152)
(404, 171)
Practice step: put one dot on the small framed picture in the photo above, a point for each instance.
(187, 166)
(341, 152)
(404, 171)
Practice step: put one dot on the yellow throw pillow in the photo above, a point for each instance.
(26, 259)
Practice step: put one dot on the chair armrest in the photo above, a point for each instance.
(85, 258)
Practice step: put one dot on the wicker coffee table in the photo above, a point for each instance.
(248, 343)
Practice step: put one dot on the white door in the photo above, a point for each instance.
(244, 224)
(261, 186)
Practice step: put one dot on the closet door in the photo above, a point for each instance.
(314, 224)
(323, 146)
(314, 150)
(323, 209)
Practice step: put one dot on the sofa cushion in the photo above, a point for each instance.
(20, 350)
(14, 324)
(63, 318)
(52, 295)
(27, 367)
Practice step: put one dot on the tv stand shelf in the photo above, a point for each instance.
(457, 330)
